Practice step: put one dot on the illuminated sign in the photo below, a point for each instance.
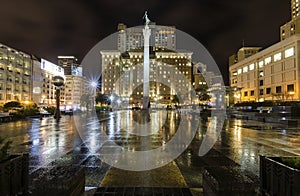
(52, 68)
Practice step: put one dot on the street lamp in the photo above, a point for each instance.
(94, 86)
(58, 81)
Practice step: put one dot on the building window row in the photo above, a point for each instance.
(276, 57)
(278, 90)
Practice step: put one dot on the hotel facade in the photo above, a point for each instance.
(122, 74)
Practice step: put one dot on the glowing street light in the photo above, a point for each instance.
(94, 85)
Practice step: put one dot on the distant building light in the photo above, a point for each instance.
(239, 71)
(289, 52)
(277, 57)
(261, 64)
(268, 60)
(66, 57)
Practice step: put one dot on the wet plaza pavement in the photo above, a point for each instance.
(239, 145)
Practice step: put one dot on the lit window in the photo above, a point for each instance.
(261, 64)
(289, 52)
(239, 71)
(234, 73)
(251, 66)
(245, 69)
(277, 57)
(267, 60)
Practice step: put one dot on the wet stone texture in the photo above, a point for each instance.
(166, 176)
(239, 145)
(216, 182)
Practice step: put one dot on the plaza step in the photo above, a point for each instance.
(101, 191)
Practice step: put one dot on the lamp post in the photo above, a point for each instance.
(94, 85)
(58, 81)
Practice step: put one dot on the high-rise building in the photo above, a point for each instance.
(273, 73)
(15, 75)
(68, 63)
(295, 8)
(75, 86)
(292, 27)
(47, 70)
(37, 81)
(132, 38)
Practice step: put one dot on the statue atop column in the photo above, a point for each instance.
(146, 34)
(146, 18)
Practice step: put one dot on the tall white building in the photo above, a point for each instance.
(75, 87)
(47, 70)
(15, 75)
(132, 38)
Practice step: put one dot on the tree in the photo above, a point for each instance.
(175, 99)
(85, 100)
(101, 98)
(12, 104)
(202, 93)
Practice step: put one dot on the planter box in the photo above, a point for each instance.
(14, 175)
(277, 178)
(224, 181)
(60, 181)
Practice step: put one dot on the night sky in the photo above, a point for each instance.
(72, 27)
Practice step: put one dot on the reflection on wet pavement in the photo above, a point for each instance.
(240, 144)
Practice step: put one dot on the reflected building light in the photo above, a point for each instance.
(283, 131)
(36, 142)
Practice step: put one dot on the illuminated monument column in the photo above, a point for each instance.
(146, 33)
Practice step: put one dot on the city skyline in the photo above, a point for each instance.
(46, 32)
